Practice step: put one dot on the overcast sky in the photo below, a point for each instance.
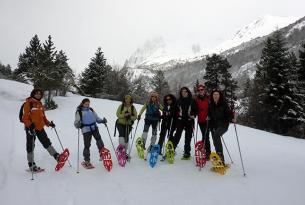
(119, 27)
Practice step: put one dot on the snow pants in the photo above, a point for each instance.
(87, 142)
(44, 140)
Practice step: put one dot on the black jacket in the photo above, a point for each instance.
(219, 114)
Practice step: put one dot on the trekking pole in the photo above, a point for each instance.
(197, 129)
(168, 134)
(77, 171)
(133, 138)
(242, 163)
(227, 149)
(111, 141)
(33, 144)
(61, 144)
(206, 135)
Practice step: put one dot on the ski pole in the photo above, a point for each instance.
(227, 149)
(111, 141)
(133, 138)
(242, 163)
(61, 144)
(77, 151)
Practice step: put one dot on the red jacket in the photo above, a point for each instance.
(203, 107)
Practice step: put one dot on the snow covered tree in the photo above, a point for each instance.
(159, 84)
(44, 67)
(138, 90)
(217, 75)
(5, 70)
(64, 74)
(302, 63)
(94, 78)
(272, 104)
(212, 74)
(29, 62)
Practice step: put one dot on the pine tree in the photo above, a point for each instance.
(5, 70)
(138, 90)
(212, 74)
(159, 83)
(272, 105)
(29, 62)
(217, 75)
(302, 63)
(64, 74)
(94, 78)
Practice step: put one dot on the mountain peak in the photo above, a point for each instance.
(261, 27)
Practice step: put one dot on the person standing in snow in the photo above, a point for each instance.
(86, 119)
(152, 117)
(187, 111)
(168, 117)
(219, 116)
(34, 120)
(126, 114)
(202, 101)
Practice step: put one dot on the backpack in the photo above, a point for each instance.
(116, 122)
(21, 111)
(132, 109)
(81, 114)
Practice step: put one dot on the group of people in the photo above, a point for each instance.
(175, 115)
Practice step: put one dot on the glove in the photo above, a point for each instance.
(127, 115)
(139, 117)
(31, 130)
(52, 124)
(104, 121)
(192, 117)
(78, 125)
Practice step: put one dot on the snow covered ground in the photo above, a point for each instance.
(274, 165)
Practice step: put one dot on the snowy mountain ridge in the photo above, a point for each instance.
(160, 54)
(259, 28)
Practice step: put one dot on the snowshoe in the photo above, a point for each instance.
(35, 169)
(200, 155)
(63, 157)
(169, 152)
(186, 157)
(154, 153)
(106, 156)
(121, 153)
(218, 165)
(87, 165)
(139, 146)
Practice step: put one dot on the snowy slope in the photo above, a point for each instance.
(259, 28)
(274, 166)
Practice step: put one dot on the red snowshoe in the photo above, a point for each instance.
(62, 159)
(106, 157)
(200, 154)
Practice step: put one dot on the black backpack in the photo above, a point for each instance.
(21, 111)
(81, 114)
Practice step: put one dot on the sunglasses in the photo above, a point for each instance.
(200, 89)
(168, 99)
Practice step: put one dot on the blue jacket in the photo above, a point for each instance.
(88, 120)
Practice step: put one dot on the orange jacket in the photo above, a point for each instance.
(35, 115)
